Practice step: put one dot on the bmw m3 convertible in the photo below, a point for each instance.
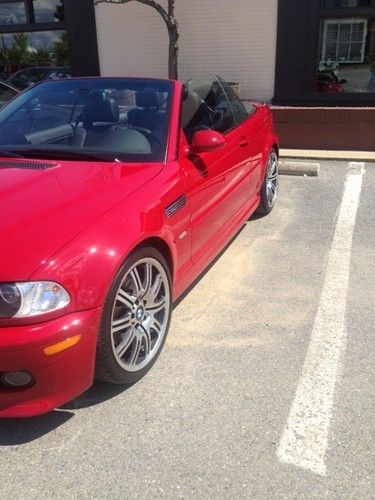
(115, 195)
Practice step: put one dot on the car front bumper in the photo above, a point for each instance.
(59, 377)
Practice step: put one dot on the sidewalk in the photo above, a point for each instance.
(327, 155)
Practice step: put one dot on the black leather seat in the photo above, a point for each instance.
(99, 118)
(148, 114)
(101, 129)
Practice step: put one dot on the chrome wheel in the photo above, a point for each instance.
(140, 314)
(272, 179)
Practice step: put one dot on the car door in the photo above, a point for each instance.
(254, 130)
(217, 181)
(252, 126)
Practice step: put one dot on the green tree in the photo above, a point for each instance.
(59, 12)
(18, 52)
(60, 52)
(39, 56)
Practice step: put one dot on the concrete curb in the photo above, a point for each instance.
(328, 155)
(302, 168)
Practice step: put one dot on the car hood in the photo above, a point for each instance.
(43, 209)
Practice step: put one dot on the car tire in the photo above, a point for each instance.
(136, 318)
(268, 192)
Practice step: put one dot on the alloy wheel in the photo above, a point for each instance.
(272, 179)
(140, 314)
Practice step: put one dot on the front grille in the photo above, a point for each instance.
(28, 165)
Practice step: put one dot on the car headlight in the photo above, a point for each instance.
(25, 300)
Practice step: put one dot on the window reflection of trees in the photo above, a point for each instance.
(20, 48)
(35, 48)
(46, 11)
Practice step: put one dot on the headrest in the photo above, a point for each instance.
(101, 108)
(149, 99)
(191, 104)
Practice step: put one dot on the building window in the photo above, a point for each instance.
(347, 56)
(12, 13)
(344, 40)
(32, 34)
(48, 11)
(326, 53)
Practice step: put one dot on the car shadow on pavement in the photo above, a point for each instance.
(19, 431)
(98, 393)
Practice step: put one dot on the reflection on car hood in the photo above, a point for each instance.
(44, 209)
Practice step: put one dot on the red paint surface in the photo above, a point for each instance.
(76, 223)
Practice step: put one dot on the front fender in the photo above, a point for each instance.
(87, 265)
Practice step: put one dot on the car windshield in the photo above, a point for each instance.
(109, 119)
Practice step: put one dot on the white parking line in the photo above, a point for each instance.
(305, 439)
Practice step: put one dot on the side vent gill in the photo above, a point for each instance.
(27, 165)
(174, 207)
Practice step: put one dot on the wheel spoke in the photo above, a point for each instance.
(156, 326)
(125, 343)
(125, 298)
(148, 280)
(147, 340)
(134, 274)
(121, 324)
(155, 307)
(136, 351)
(272, 174)
(156, 287)
(274, 167)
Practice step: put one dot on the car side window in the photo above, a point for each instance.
(205, 106)
(6, 94)
(19, 79)
(240, 111)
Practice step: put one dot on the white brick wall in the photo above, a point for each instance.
(234, 38)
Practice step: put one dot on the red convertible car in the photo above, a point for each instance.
(116, 194)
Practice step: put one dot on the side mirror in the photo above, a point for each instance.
(207, 140)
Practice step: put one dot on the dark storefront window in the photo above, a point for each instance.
(48, 34)
(326, 52)
(347, 51)
(32, 35)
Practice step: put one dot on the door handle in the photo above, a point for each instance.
(244, 142)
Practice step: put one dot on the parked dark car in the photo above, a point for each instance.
(24, 78)
(7, 92)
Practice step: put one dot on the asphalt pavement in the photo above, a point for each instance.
(208, 421)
